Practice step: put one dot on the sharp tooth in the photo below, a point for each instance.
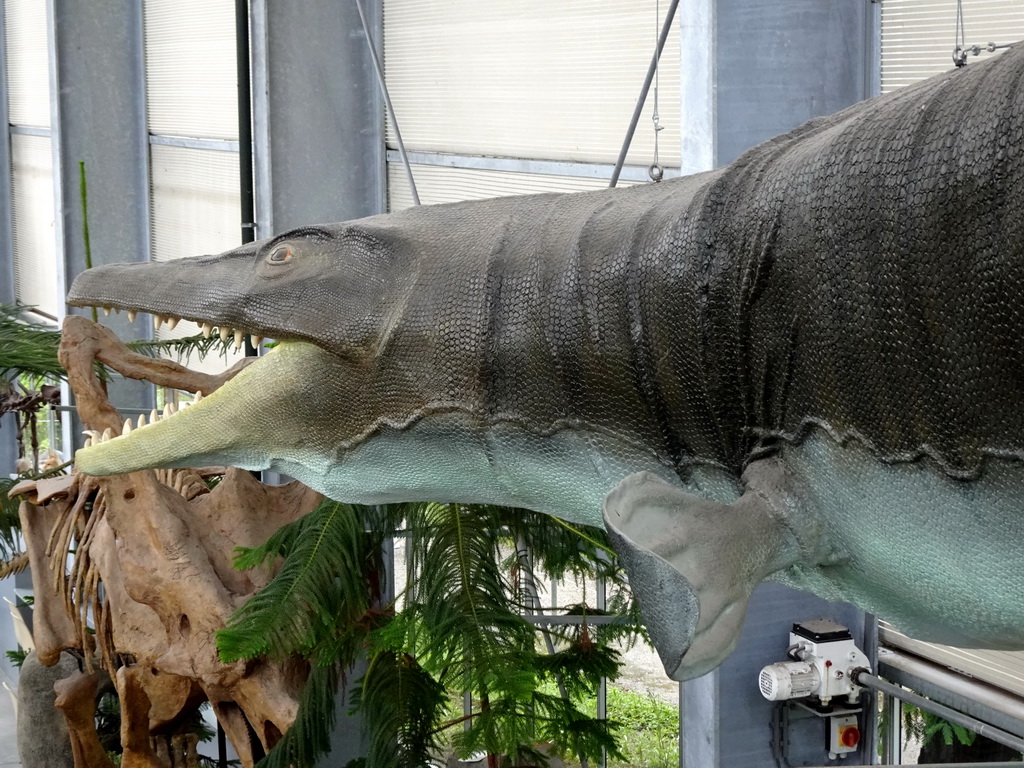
(154, 417)
(157, 322)
(117, 310)
(88, 443)
(198, 397)
(108, 434)
(207, 330)
(238, 338)
(224, 333)
(142, 421)
(132, 314)
(90, 432)
(171, 322)
(256, 340)
(127, 428)
(169, 411)
(106, 311)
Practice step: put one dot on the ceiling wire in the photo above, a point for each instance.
(961, 50)
(960, 41)
(655, 171)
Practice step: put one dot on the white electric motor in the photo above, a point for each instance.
(789, 680)
(824, 655)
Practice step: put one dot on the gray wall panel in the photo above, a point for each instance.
(325, 121)
(101, 105)
(727, 722)
(781, 62)
(761, 68)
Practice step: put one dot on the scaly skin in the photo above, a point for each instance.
(841, 302)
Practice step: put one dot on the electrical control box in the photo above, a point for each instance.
(844, 736)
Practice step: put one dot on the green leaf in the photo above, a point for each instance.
(309, 737)
(400, 703)
(27, 348)
(322, 585)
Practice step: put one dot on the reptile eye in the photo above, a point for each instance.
(280, 255)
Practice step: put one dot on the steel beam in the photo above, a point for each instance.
(6, 222)
(324, 115)
(960, 692)
(524, 165)
(99, 120)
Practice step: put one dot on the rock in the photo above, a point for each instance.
(42, 736)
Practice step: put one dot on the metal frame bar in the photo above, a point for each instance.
(378, 69)
(870, 720)
(698, 135)
(262, 180)
(873, 47)
(68, 426)
(1011, 740)
(524, 165)
(145, 202)
(189, 142)
(965, 694)
(6, 174)
(26, 130)
(892, 742)
(58, 162)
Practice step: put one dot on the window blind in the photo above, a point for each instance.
(530, 79)
(439, 184)
(918, 36)
(191, 91)
(191, 80)
(35, 250)
(28, 72)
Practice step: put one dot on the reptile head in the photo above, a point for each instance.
(323, 293)
(326, 285)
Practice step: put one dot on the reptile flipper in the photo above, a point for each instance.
(693, 563)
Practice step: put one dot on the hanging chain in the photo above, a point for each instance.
(655, 171)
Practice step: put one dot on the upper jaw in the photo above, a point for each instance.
(169, 299)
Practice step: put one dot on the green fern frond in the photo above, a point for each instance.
(461, 596)
(399, 703)
(580, 667)
(10, 523)
(184, 347)
(27, 348)
(13, 565)
(309, 737)
(280, 543)
(557, 549)
(323, 581)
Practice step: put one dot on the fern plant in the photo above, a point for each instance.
(461, 629)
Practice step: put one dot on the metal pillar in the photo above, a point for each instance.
(6, 223)
(753, 69)
(99, 121)
(318, 130)
(323, 112)
(727, 723)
